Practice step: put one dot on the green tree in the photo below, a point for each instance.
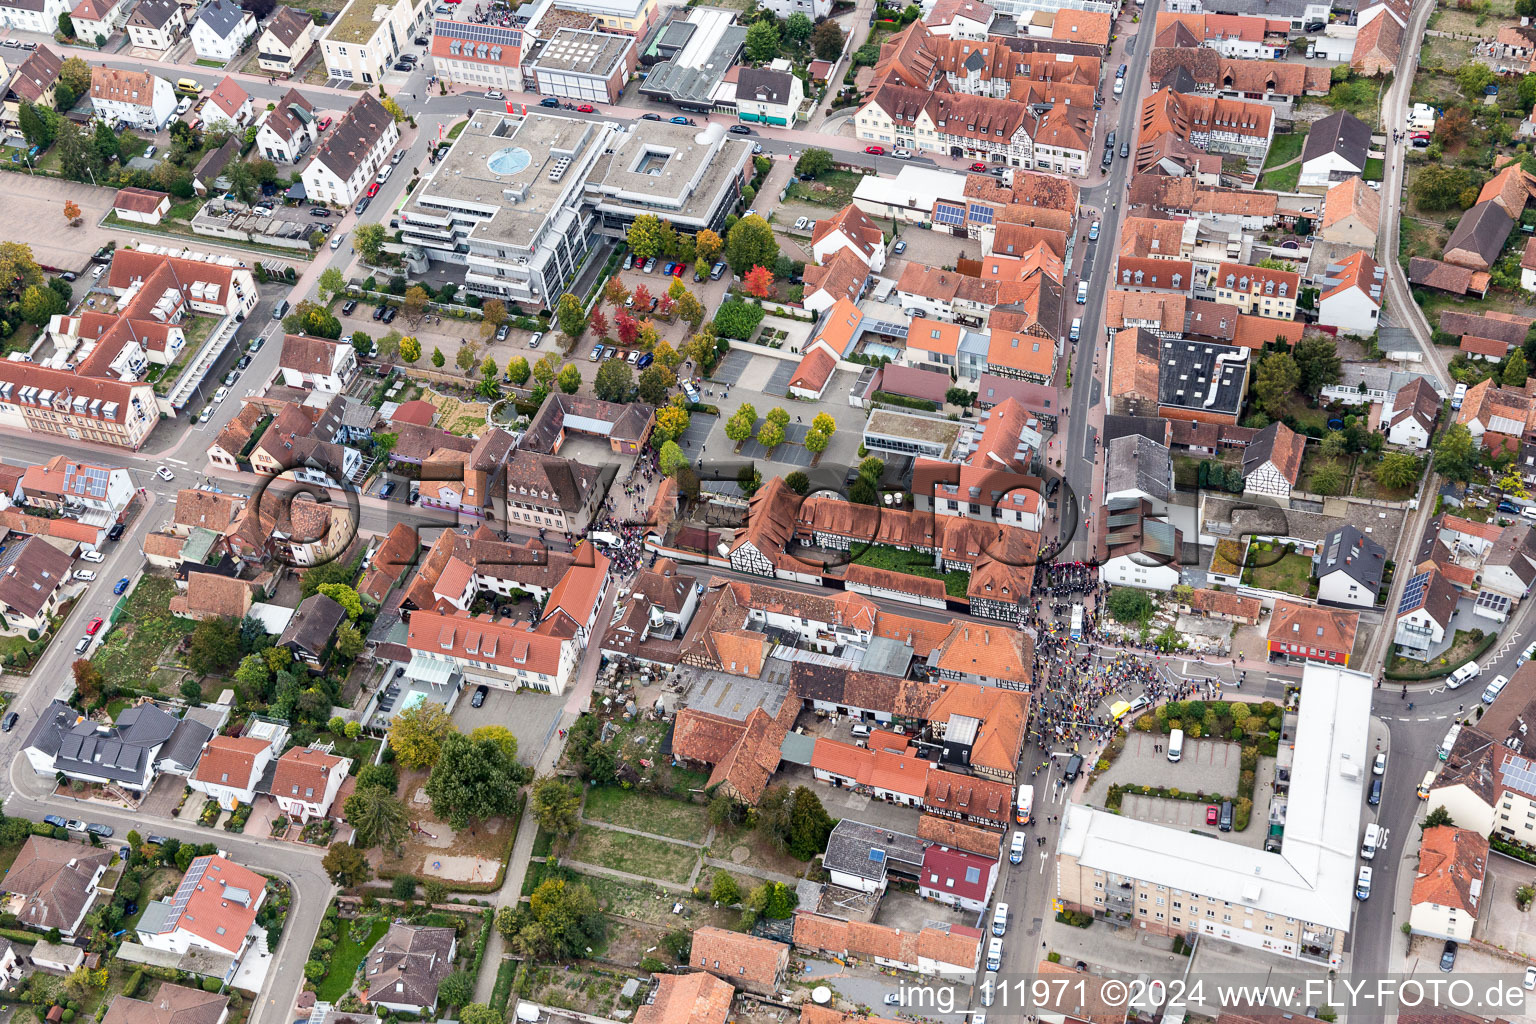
(794, 821)
(798, 482)
(1435, 818)
(614, 381)
(646, 236)
(546, 369)
(871, 469)
(414, 302)
(378, 818)
(346, 865)
(816, 442)
(479, 1013)
(814, 162)
(1332, 445)
(739, 427)
(457, 989)
(1515, 370)
(344, 596)
(497, 734)
(1456, 454)
(1440, 187)
(572, 318)
(368, 241)
(349, 641)
(1328, 478)
(1130, 605)
(518, 371)
(723, 888)
(555, 806)
(672, 422)
(1473, 77)
(39, 303)
(750, 243)
(671, 458)
(762, 42)
(492, 315)
(332, 282)
(417, 734)
(473, 780)
(656, 383)
(1275, 379)
(464, 359)
(254, 678)
(106, 143)
(313, 319)
(35, 128)
(569, 379)
(1397, 470)
(1318, 361)
(770, 435)
(827, 40)
(798, 28)
(690, 309)
(215, 645)
(410, 349)
(562, 920)
(438, 359)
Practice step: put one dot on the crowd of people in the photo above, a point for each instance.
(622, 514)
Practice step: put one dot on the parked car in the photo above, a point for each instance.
(390, 313)
(1093, 232)
(221, 394)
(650, 117)
(116, 533)
(533, 342)
(503, 331)
(680, 119)
(373, 189)
(55, 821)
(231, 377)
(9, 722)
(92, 555)
(1448, 955)
(1211, 813)
(92, 626)
(586, 108)
(378, 312)
(717, 270)
(549, 101)
(121, 586)
(494, 94)
(629, 260)
(75, 825)
(401, 65)
(206, 414)
(900, 247)
(801, 222)
(875, 150)
(97, 829)
(324, 123)
(646, 359)
(979, 168)
(362, 204)
(739, 129)
(902, 154)
(650, 264)
(597, 353)
(85, 575)
(348, 306)
(478, 699)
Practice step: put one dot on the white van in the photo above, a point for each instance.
(994, 954)
(1494, 689)
(1016, 851)
(1363, 884)
(1077, 327)
(1000, 922)
(1176, 744)
(1449, 743)
(1461, 675)
(860, 730)
(1458, 396)
(1082, 293)
(1372, 840)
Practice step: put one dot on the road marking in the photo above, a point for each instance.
(1436, 689)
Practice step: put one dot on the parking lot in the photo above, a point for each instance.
(35, 215)
(1207, 766)
(529, 716)
(1501, 923)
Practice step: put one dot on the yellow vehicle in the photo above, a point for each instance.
(1425, 783)
(188, 85)
(1119, 709)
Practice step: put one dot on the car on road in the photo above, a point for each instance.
(1468, 671)
(98, 829)
(503, 331)
(92, 555)
(900, 247)
(549, 101)
(164, 474)
(481, 692)
(1530, 979)
(221, 394)
(116, 533)
(801, 222)
(1119, 86)
(155, 839)
(1212, 812)
(680, 119)
(1448, 956)
(206, 414)
(596, 354)
(586, 108)
(92, 626)
(362, 204)
(85, 575)
(1109, 158)
(75, 825)
(401, 65)
(494, 94)
(1380, 767)
(1375, 797)
(1082, 293)
(120, 586)
(739, 129)
(1363, 884)
(650, 117)
(902, 154)
(54, 820)
(757, 147)
(892, 999)
(9, 722)
(1125, 150)
(1093, 232)
(875, 150)
(1122, 71)
(373, 190)
(979, 168)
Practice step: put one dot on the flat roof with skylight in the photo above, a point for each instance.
(583, 52)
(1202, 376)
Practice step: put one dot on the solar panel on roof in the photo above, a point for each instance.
(1413, 593)
(1521, 773)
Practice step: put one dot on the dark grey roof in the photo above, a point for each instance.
(343, 148)
(287, 24)
(695, 86)
(214, 161)
(1181, 81)
(185, 745)
(1203, 375)
(146, 724)
(1342, 133)
(222, 16)
(1482, 230)
(408, 964)
(1351, 552)
(1130, 426)
(975, 61)
(1137, 463)
(313, 623)
(83, 747)
(153, 13)
(866, 851)
(764, 85)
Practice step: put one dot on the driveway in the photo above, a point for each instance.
(529, 716)
(1501, 923)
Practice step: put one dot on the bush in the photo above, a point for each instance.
(212, 984)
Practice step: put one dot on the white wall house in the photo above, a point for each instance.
(221, 30)
(306, 782)
(156, 24)
(229, 107)
(770, 95)
(1448, 885)
(1409, 416)
(289, 130)
(98, 19)
(1351, 295)
(367, 37)
(143, 100)
(286, 40)
(230, 768)
(813, 9)
(351, 153)
(32, 15)
(317, 363)
(1349, 567)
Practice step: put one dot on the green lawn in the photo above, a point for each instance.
(1375, 168)
(1285, 148)
(1283, 180)
(913, 563)
(637, 855)
(143, 635)
(647, 813)
(1291, 574)
(834, 188)
(349, 952)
